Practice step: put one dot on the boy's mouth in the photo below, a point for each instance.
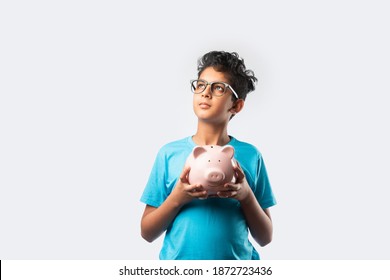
(204, 105)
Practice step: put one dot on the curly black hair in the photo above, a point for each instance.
(241, 79)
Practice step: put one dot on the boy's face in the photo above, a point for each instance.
(210, 108)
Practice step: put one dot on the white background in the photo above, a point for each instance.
(90, 90)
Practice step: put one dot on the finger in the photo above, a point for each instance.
(198, 194)
(240, 175)
(184, 174)
(196, 191)
(193, 188)
(203, 195)
(223, 194)
(232, 187)
(227, 194)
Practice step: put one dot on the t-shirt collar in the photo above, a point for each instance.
(192, 143)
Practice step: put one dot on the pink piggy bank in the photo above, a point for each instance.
(211, 166)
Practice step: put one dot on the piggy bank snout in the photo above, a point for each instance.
(215, 175)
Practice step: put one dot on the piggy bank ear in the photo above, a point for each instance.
(198, 150)
(228, 150)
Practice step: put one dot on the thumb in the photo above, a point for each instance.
(184, 174)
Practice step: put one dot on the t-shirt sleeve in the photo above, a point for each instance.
(155, 191)
(263, 191)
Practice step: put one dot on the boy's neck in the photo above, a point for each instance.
(207, 134)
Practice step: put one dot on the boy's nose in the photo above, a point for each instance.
(207, 92)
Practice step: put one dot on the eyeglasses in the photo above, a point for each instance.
(216, 88)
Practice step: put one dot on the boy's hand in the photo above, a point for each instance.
(184, 192)
(239, 190)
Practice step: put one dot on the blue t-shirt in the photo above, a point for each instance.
(213, 228)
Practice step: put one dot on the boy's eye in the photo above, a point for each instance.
(219, 88)
(200, 86)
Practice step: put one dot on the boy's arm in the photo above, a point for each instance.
(258, 219)
(156, 220)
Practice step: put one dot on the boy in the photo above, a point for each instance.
(200, 227)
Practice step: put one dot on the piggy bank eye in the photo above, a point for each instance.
(219, 160)
(209, 160)
(212, 147)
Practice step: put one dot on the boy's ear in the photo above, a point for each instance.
(237, 106)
